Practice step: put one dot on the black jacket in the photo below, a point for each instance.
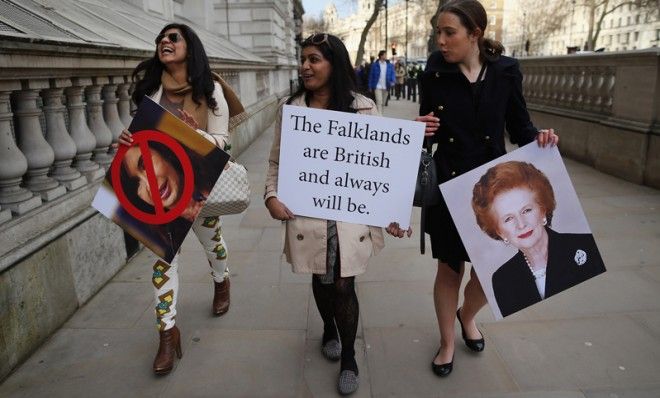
(469, 137)
(513, 282)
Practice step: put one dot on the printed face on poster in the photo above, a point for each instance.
(523, 227)
(155, 188)
(348, 167)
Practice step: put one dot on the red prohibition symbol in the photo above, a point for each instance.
(161, 215)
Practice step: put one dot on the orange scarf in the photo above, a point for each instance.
(183, 91)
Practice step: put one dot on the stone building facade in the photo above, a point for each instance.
(627, 28)
(412, 17)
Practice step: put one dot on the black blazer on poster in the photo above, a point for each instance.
(470, 135)
(513, 282)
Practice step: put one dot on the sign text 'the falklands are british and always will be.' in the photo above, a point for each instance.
(348, 167)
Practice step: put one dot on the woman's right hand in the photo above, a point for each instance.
(278, 210)
(432, 124)
(125, 138)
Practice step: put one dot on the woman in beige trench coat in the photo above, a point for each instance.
(333, 251)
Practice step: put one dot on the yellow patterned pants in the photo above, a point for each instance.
(166, 276)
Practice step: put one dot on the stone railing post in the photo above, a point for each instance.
(82, 136)
(58, 137)
(96, 123)
(39, 154)
(110, 111)
(13, 163)
(124, 105)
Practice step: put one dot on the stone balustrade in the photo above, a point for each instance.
(57, 134)
(605, 106)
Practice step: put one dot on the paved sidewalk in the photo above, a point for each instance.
(602, 340)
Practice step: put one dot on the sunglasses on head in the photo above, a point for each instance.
(173, 37)
(316, 39)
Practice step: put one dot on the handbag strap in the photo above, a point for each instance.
(428, 145)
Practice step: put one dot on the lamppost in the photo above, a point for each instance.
(405, 53)
(386, 38)
(522, 44)
(570, 29)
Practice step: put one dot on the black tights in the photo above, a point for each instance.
(338, 303)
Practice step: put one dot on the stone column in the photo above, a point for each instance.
(58, 137)
(110, 111)
(13, 163)
(96, 123)
(82, 136)
(31, 141)
(124, 105)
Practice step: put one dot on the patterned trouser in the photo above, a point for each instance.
(166, 276)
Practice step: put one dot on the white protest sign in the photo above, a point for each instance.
(348, 167)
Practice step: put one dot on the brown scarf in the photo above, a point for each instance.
(199, 111)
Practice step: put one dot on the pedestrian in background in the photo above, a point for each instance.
(470, 94)
(179, 78)
(400, 72)
(381, 78)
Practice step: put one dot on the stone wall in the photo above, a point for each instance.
(605, 108)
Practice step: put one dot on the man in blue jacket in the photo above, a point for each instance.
(381, 78)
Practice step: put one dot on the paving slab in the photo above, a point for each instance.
(586, 353)
(391, 304)
(400, 365)
(240, 363)
(119, 305)
(89, 362)
(652, 391)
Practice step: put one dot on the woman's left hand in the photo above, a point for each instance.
(394, 230)
(547, 137)
(189, 119)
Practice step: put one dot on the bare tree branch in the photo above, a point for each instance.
(363, 37)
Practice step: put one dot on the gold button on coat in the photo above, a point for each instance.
(453, 173)
(441, 107)
(487, 137)
(451, 139)
(300, 237)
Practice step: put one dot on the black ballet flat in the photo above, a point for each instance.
(442, 370)
(476, 345)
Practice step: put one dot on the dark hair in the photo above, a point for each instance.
(473, 16)
(504, 177)
(381, 52)
(342, 77)
(197, 65)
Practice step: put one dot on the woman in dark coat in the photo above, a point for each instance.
(470, 94)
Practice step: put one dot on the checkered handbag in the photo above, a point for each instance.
(230, 194)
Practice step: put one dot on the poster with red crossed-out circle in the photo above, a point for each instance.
(156, 187)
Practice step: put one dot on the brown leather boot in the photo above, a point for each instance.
(221, 297)
(170, 343)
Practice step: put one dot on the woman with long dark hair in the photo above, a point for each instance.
(470, 93)
(179, 78)
(328, 83)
